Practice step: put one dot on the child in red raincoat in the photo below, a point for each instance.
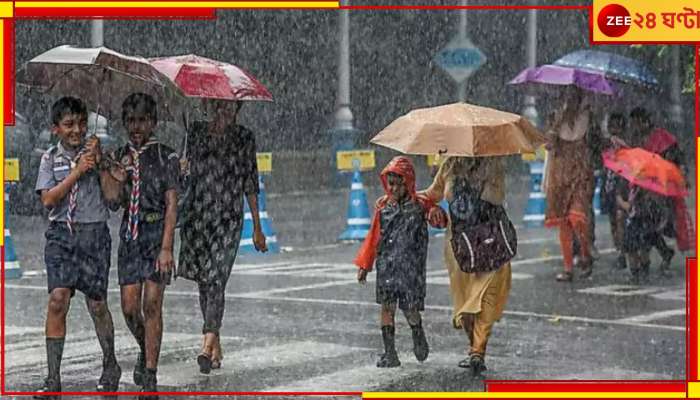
(398, 240)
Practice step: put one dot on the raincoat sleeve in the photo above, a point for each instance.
(368, 250)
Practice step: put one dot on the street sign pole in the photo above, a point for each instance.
(462, 86)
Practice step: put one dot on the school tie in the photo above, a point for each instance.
(73, 196)
(132, 232)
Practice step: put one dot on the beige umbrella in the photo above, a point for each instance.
(460, 129)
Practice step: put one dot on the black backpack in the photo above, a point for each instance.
(483, 237)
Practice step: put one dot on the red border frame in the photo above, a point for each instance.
(490, 385)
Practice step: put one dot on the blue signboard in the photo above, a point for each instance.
(460, 58)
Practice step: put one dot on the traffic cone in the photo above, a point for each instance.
(437, 231)
(596, 195)
(246, 246)
(12, 268)
(359, 219)
(534, 212)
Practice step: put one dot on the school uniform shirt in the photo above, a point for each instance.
(56, 164)
(159, 173)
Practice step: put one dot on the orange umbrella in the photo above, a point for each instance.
(647, 170)
(460, 129)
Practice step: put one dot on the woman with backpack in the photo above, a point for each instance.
(478, 298)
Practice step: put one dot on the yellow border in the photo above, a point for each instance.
(173, 4)
(6, 11)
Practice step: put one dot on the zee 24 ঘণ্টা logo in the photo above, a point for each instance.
(672, 19)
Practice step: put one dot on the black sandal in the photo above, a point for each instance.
(464, 363)
(565, 276)
(477, 364)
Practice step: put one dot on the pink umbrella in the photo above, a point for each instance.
(206, 78)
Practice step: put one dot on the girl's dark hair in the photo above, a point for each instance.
(641, 113)
(142, 102)
(67, 106)
(618, 117)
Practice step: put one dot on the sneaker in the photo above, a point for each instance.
(388, 360)
(595, 254)
(420, 343)
(49, 386)
(109, 381)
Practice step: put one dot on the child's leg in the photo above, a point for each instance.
(387, 314)
(389, 359)
(131, 308)
(55, 330)
(420, 343)
(104, 327)
(153, 324)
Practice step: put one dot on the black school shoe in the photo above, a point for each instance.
(388, 360)
(150, 384)
(420, 343)
(49, 386)
(109, 381)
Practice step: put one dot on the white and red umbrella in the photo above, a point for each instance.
(205, 78)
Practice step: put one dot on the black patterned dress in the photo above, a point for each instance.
(222, 170)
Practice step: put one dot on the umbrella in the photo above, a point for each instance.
(101, 77)
(591, 81)
(615, 66)
(647, 170)
(205, 78)
(460, 129)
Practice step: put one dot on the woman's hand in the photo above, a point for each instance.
(259, 240)
(437, 217)
(184, 167)
(362, 276)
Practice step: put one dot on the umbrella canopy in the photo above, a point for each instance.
(101, 77)
(647, 170)
(460, 129)
(615, 66)
(590, 81)
(205, 78)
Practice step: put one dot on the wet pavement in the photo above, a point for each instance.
(299, 321)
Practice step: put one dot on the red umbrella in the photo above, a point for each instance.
(206, 78)
(647, 170)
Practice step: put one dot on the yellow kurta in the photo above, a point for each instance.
(468, 290)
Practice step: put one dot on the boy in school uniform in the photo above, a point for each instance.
(73, 183)
(145, 256)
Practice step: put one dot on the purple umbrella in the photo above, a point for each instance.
(594, 82)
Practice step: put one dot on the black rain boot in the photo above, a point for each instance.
(389, 359)
(54, 354)
(140, 369)
(150, 384)
(420, 344)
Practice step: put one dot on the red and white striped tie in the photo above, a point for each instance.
(73, 197)
(134, 200)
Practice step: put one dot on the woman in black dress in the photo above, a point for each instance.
(222, 167)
